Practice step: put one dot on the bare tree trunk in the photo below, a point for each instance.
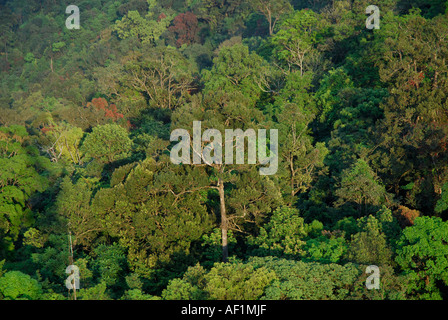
(271, 27)
(224, 221)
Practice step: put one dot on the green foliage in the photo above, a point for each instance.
(325, 250)
(160, 222)
(179, 289)
(137, 294)
(97, 292)
(392, 286)
(237, 281)
(15, 285)
(235, 71)
(423, 254)
(73, 204)
(272, 10)
(146, 30)
(85, 122)
(162, 74)
(299, 280)
(51, 261)
(414, 124)
(62, 141)
(22, 176)
(361, 186)
(442, 203)
(331, 90)
(225, 281)
(369, 246)
(294, 43)
(211, 244)
(109, 263)
(107, 143)
(389, 225)
(283, 233)
(33, 237)
(2, 263)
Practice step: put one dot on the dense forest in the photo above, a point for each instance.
(86, 178)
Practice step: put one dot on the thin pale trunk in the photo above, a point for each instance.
(271, 28)
(224, 221)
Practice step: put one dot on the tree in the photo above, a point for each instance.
(146, 30)
(325, 249)
(15, 285)
(110, 264)
(235, 72)
(272, 10)
(360, 185)
(329, 97)
(423, 255)
(429, 8)
(298, 280)
(185, 27)
(6, 35)
(155, 210)
(300, 159)
(406, 216)
(294, 43)
(179, 289)
(163, 75)
(107, 143)
(412, 136)
(212, 246)
(369, 246)
(393, 286)
(74, 204)
(51, 261)
(283, 234)
(218, 13)
(230, 93)
(348, 114)
(225, 281)
(62, 141)
(21, 177)
(97, 292)
(237, 281)
(359, 165)
(99, 111)
(137, 294)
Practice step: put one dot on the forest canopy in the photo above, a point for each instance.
(86, 177)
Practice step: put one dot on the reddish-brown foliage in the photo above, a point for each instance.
(185, 27)
(416, 80)
(161, 17)
(46, 129)
(406, 216)
(110, 111)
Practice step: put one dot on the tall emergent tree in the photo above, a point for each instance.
(231, 90)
